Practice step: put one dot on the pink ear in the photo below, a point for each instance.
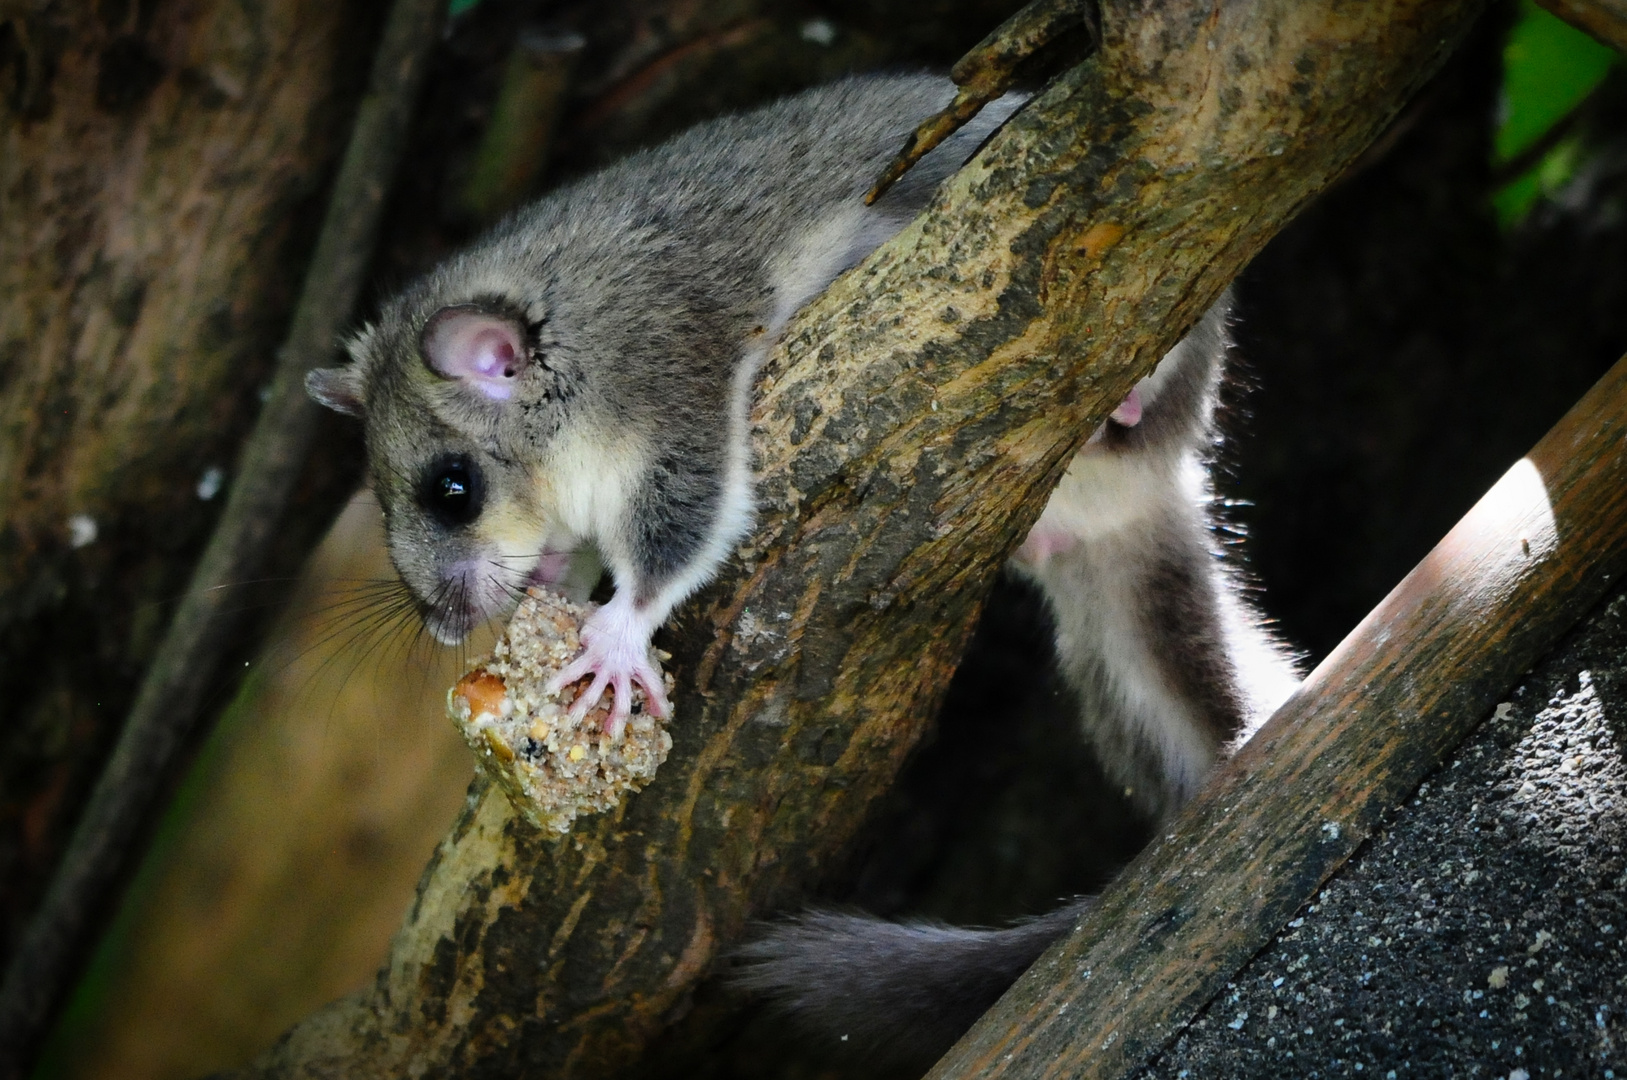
(482, 350)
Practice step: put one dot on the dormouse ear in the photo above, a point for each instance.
(482, 350)
(339, 388)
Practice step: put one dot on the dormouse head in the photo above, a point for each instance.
(460, 402)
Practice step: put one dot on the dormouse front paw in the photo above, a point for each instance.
(616, 652)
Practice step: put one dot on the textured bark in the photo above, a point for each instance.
(907, 431)
(991, 69)
(157, 163)
(1377, 716)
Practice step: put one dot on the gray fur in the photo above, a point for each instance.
(645, 295)
(642, 299)
(897, 992)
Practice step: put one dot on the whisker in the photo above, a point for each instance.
(354, 640)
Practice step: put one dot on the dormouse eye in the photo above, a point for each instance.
(452, 491)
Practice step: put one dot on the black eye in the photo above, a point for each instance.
(453, 491)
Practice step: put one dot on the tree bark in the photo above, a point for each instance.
(908, 431)
(157, 168)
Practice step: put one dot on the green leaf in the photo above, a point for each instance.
(1549, 68)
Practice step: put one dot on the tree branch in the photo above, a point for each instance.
(908, 430)
(186, 665)
(985, 73)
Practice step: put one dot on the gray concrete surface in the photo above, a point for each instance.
(1482, 933)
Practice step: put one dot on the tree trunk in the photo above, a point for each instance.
(908, 430)
(157, 181)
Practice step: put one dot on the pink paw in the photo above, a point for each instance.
(616, 652)
(1044, 541)
(1129, 411)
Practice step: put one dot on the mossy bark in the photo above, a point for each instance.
(907, 431)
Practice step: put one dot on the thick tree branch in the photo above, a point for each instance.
(161, 167)
(1377, 716)
(173, 692)
(908, 430)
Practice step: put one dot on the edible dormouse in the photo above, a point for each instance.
(1154, 635)
(580, 378)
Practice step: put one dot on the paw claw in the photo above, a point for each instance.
(655, 694)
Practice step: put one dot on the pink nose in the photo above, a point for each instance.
(1129, 411)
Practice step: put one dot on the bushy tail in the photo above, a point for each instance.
(896, 991)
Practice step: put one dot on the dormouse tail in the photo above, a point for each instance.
(895, 991)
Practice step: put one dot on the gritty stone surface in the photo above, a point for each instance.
(1482, 934)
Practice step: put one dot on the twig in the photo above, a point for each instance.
(171, 695)
(1383, 710)
(986, 72)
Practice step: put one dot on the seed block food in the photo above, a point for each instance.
(552, 768)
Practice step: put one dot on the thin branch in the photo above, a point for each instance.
(1378, 715)
(986, 72)
(171, 695)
